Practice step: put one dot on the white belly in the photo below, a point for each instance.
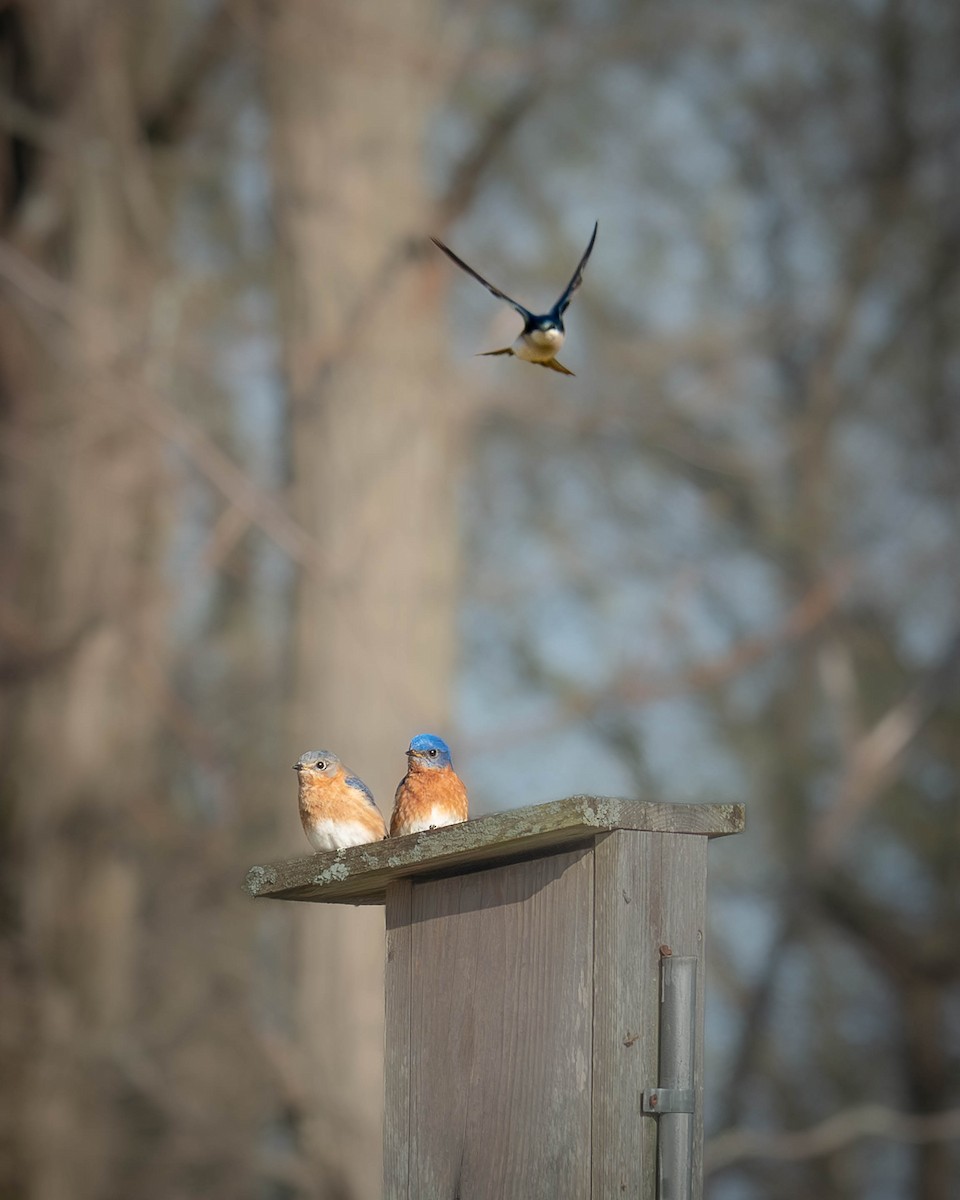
(540, 345)
(430, 820)
(326, 834)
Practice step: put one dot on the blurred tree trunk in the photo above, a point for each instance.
(372, 447)
(120, 1011)
(87, 501)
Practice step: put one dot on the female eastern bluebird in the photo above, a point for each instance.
(337, 809)
(431, 793)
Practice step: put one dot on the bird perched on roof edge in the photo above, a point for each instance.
(431, 793)
(336, 808)
(542, 336)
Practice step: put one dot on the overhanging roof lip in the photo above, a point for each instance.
(361, 874)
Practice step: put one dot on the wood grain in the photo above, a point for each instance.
(501, 1033)
(398, 991)
(650, 900)
(625, 1015)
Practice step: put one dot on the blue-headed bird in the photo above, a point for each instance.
(431, 793)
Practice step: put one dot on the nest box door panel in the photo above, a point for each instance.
(499, 967)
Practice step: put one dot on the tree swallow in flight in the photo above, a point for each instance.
(542, 336)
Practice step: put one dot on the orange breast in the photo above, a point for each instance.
(427, 798)
(333, 801)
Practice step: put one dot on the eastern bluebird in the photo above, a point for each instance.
(431, 793)
(337, 809)
(542, 336)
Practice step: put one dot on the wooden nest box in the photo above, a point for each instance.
(544, 997)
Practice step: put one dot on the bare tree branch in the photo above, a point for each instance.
(235, 484)
(636, 688)
(835, 1133)
(906, 950)
(408, 250)
(25, 664)
(756, 1013)
(168, 118)
(469, 174)
(258, 506)
(877, 755)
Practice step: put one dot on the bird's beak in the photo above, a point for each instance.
(296, 766)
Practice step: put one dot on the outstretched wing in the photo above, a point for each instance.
(561, 305)
(480, 279)
(490, 353)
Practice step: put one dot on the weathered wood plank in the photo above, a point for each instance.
(398, 990)
(650, 900)
(683, 891)
(626, 1012)
(360, 875)
(500, 1094)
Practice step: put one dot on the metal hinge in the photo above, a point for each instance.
(668, 1100)
(673, 1102)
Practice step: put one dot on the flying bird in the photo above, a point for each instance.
(431, 793)
(336, 808)
(542, 336)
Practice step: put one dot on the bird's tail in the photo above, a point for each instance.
(556, 366)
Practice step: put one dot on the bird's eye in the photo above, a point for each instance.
(434, 752)
(321, 765)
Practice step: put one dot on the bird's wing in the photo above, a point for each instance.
(358, 785)
(555, 366)
(525, 313)
(561, 305)
(487, 353)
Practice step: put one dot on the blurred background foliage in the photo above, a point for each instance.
(257, 495)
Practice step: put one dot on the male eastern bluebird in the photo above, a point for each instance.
(431, 793)
(542, 336)
(337, 809)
